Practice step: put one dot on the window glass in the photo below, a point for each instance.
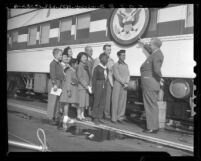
(15, 36)
(66, 25)
(65, 30)
(83, 25)
(44, 35)
(32, 36)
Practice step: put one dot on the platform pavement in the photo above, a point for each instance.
(38, 109)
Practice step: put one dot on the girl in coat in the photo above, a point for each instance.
(83, 76)
(69, 92)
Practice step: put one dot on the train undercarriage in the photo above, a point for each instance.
(179, 97)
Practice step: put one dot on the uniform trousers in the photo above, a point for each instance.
(119, 98)
(150, 99)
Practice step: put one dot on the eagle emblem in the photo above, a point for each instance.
(127, 20)
(127, 24)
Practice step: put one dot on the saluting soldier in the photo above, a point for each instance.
(119, 94)
(55, 82)
(151, 78)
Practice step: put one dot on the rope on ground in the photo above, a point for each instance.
(43, 143)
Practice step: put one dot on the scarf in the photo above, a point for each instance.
(105, 71)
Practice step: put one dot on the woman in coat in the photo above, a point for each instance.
(83, 76)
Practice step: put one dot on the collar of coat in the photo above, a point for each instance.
(56, 60)
(121, 62)
(102, 66)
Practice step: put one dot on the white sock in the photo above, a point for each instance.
(65, 119)
(82, 114)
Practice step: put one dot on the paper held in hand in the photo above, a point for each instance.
(89, 89)
(57, 92)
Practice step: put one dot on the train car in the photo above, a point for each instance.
(33, 33)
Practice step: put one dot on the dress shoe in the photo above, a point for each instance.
(114, 122)
(121, 121)
(107, 119)
(102, 121)
(150, 131)
(52, 122)
(96, 121)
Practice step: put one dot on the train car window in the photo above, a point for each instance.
(15, 37)
(44, 33)
(65, 30)
(189, 16)
(83, 25)
(32, 35)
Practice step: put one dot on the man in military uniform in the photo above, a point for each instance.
(151, 79)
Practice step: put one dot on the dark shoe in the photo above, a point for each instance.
(52, 122)
(107, 119)
(150, 131)
(114, 122)
(60, 126)
(96, 121)
(102, 121)
(121, 121)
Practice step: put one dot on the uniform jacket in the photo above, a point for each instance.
(151, 71)
(83, 76)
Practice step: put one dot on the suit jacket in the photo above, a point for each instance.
(56, 73)
(83, 76)
(90, 63)
(151, 71)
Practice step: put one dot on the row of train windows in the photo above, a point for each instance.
(65, 33)
(81, 29)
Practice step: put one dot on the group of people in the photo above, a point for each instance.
(100, 85)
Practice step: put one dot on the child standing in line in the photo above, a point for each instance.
(99, 88)
(84, 88)
(67, 92)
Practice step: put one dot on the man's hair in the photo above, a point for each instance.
(157, 42)
(73, 61)
(55, 51)
(104, 47)
(120, 51)
(102, 55)
(86, 47)
(79, 56)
